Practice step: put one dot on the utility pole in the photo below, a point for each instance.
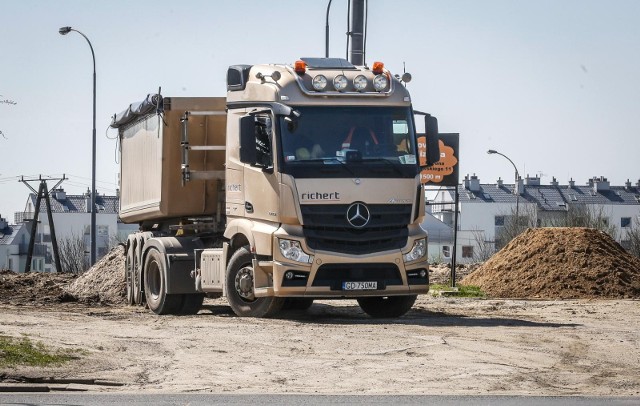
(42, 193)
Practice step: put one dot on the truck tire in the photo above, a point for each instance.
(191, 303)
(155, 287)
(128, 273)
(135, 274)
(297, 303)
(239, 284)
(386, 307)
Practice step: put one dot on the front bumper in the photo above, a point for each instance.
(326, 274)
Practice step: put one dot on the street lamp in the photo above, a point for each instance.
(515, 185)
(65, 31)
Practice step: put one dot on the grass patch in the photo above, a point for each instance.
(14, 352)
(463, 290)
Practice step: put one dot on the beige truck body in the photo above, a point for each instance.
(265, 206)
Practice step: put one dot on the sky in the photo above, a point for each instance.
(554, 85)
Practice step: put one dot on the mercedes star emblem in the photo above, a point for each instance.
(358, 215)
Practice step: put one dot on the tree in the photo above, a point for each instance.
(513, 225)
(72, 255)
(582, 215)
(485, 248)
(633, 238)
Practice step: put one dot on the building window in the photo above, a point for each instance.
(467, 251)
(499, 221)
(625, 222)
(446, 251)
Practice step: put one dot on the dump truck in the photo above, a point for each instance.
(302, 184)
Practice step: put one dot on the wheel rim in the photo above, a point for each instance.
(244, 284)
(154, 280)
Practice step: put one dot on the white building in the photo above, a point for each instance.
(72, 220)
(14, 245)
(484, 208)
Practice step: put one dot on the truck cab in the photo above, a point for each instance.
(323, 185)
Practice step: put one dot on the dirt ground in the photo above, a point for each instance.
(563, 319)
(443, 346)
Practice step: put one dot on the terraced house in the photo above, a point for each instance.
(486, 210)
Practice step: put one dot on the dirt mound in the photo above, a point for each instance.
(104, 282)
(560, 263)
(33, 288)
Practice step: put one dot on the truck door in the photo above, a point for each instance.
(260, 180)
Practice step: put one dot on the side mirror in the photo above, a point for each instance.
(248, 150)
(432, 141)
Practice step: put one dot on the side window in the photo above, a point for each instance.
(264, 136)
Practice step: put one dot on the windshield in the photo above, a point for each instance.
(359, 138)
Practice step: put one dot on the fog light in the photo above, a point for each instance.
(340, 82)
(288, 275)
(319, 82)
(360, 82)
(423, 273)
(380, 82)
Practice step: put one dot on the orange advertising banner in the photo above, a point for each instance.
(445, 171)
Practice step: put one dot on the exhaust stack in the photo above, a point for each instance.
(356, 53)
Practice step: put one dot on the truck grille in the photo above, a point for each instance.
(326, 228)
(332, 275)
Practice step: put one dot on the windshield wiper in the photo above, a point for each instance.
(332, 159)
(393, 164)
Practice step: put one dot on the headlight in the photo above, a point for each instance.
(360, 82)
(319, 82)
(340, 82)
(418, 251)
(380, 82)
(293, 251)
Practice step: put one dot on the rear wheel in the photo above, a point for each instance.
(155, 285)
(386, 307)
(191, 303)
(128, 273)
(240, 288)
(136, 279)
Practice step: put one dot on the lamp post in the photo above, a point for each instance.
(515, 185)
(65, 31)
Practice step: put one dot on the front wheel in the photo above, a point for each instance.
(155, 285)
(240, 288)
(386, 307)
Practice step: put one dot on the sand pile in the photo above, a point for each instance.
(560, 263)
(104, 282)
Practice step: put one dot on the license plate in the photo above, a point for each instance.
(359, 285)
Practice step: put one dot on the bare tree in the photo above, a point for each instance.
(633, 238)
(582, 215)
(72, 255)
(485, 248)
(514, 225)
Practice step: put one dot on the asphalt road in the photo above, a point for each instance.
(162, 399)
